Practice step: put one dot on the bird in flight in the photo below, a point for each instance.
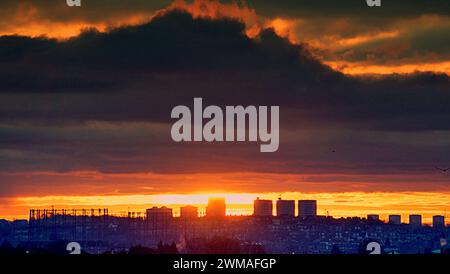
(443, 169)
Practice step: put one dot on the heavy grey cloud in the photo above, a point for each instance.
(102, 101)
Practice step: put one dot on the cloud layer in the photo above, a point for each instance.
(350, 36)
(101, 102)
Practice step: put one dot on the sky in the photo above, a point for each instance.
(86, 95)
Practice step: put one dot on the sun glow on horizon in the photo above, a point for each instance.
(340, 204)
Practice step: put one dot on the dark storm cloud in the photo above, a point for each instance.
(141, 72)
(147, 66)
(52, 91)
(174, 42)
(318, 22)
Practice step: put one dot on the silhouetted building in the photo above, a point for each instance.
(188, 218)
(159, 213)
(438, 221)
(159, 220)
(307, 208)
(216, 207)
(262, 208)
(415, 220)
(100, 232)
(373, 217)
(188, 212)
(395, 219)
(285, 208)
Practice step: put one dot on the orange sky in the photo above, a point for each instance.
(340, 194)
(123, 192)
(340, 204)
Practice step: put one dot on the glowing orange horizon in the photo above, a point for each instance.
(342, 204)
(361, 68)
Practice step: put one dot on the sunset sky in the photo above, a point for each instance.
(86, 95)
